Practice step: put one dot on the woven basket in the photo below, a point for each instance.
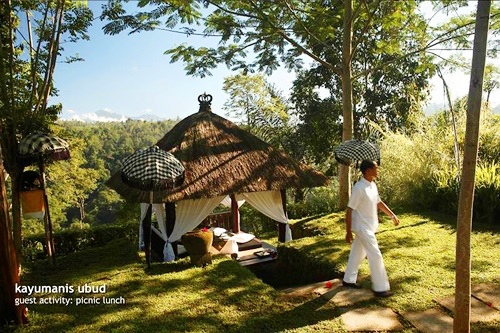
(197, 244)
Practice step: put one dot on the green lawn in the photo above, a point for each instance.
(225, 297)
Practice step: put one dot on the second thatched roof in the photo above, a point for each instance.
(220, 158)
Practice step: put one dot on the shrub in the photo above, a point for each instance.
(487, 193)
(319, 200)
(73, 240)
(419, 170)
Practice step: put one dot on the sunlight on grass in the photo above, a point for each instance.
(225, 297)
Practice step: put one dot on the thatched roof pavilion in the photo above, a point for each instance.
(221, 159)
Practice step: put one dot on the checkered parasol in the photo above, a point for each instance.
(152, 169)
(43, 145)
(355, 151)
(39, 148)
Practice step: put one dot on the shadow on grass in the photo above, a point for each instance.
(224, 297)
(413, 225)
(451, 221)
(77, 266)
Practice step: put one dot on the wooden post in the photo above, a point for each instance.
(49, 239)
(170, 222)
(235, 213)
(461, 322)
(282, 226)
(146, 227)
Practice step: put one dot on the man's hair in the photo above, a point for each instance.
(367, 164)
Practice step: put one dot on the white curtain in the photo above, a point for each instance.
(270, 204)
(159, 212)
(227, 202)
(190, 213)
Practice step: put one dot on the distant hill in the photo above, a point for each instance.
(107, 116)
(432, 108)
(148, 117)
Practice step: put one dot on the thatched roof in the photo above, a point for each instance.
(220, 158)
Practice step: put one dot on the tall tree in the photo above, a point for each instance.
(258, 105)
(285, 33)
(491, 77)
(70, 183)
(9, 271)
(31, 39)
(461, 322)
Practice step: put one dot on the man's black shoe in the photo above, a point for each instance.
(383, 293)
(351, 285)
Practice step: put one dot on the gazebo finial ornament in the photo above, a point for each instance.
(205, 102)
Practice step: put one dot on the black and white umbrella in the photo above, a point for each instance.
(354, 151)
(48, 147)
(39, 148)
(149, 170)
(152, 169)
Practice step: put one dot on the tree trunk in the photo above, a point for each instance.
(9, 272)
(298, 195)
(16, 212)
(461, 322)
(81, 204)
(347, 126)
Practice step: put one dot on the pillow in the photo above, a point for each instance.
(218, 231)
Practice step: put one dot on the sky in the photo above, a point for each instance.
(130, 75)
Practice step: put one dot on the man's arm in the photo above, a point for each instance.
(383, 207)
(348, 223)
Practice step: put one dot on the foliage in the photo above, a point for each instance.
(490, 81)
(487, 193)
(258, 106)
(390, 71)
(377, 53)
(31, 41)
(278, 33)
(320, 200)
(75, 187)
(419, 170)
(319, 127)
(255, 222)
(76, 239)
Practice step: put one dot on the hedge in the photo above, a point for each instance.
(73, 240)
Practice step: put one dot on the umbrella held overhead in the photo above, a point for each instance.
(354, 151)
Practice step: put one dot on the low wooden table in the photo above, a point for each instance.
(248, 257)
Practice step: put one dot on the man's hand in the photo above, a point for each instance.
(348, 237)
(395, 220)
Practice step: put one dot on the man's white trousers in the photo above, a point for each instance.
(365, 245)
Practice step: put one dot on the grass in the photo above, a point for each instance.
(225, 297)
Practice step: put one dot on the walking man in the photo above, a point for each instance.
(362, 219)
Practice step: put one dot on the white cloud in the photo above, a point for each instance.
(92, 117)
